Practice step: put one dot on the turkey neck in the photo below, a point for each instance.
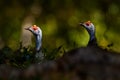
(92, 40)
(38, 42)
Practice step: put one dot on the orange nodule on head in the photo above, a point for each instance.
(88, 23)
(34, 27)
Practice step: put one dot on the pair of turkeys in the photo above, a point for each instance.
(37, 32)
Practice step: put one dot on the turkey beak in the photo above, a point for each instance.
(27, 28)
(81, 24)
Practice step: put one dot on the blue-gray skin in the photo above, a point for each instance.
(91, 30)
(38, 35)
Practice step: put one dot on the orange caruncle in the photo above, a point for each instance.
(34, 27)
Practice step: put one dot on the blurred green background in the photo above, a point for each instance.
(59, 20)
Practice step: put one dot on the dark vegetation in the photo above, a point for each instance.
(85, 63)
(24, 57)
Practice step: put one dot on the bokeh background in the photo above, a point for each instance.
(59, 20)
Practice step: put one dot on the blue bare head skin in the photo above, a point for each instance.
(90, 28)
